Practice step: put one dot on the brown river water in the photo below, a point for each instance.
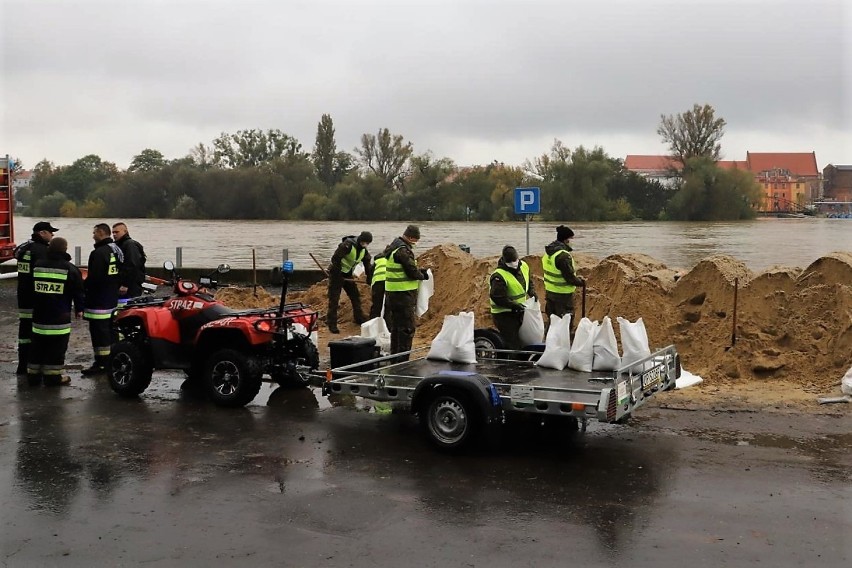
(759, 244)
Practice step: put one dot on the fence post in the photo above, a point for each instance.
(285, 255)
(179, 257)
(77, 255)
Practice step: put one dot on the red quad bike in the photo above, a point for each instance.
(223, 351)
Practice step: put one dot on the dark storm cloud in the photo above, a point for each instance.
(113, 78)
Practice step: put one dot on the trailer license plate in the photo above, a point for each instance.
(652, 378)
(522, 394)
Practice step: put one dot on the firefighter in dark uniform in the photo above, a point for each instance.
(509, 287)
(403, 280)
(346, 257)
(27, 254)
(560, 275)
(132, 270)
(56, 285)
(377, 285)
(102, 283)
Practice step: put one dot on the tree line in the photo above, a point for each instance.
(267, 174)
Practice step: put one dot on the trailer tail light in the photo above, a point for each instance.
(578, 406)
(611, 406)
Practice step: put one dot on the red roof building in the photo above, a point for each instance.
(790, 180)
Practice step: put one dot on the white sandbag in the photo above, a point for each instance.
(687, 379)
(606, 348)
(634, 341)
(532, 328)
(424, 292)
(358, 270)
(377, 329)
(557, 344)
(455, 340)
(582, 353)
(846, 383)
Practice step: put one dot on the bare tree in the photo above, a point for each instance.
(694, 133)
(385, 155)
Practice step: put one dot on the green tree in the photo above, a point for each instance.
(386, 156)
(331, 166)
(421, 193)
(646, 198)
(253, 148)
(147, 161)
(574, 184)
(710, 193)
(694, 133)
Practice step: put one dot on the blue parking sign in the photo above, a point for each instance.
(527, 200)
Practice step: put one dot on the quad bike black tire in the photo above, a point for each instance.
(232, 378)
(486, 340)
(129, 368)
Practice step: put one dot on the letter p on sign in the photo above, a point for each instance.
(527, 200)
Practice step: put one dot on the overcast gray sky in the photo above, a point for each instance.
(471, 80)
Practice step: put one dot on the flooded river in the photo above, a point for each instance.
(759, 243)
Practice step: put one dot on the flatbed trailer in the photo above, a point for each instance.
(458, 402)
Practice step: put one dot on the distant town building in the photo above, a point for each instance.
(22, 179)
(837, 191)
(663, 169)
(790, 180)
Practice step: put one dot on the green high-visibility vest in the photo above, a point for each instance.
(553, 279)
(348, 262)
(517, 292)
(397, 280)
(380, 273)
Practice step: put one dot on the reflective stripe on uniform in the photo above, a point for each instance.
(553, 279)
(24, 313)
(93, 314)
(50, 273)
(46, 329)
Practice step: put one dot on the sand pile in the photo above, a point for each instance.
(792, 325)
(245, 298)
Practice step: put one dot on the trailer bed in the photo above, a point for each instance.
(517, 381)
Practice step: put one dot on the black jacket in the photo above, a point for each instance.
(27, 254)
(55, 308)
(132, 270)
(102, 281)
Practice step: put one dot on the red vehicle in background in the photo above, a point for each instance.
(7, 207)
(225, 352)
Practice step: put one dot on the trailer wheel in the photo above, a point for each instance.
(450, 419)
(232, 378)
(485, 341)
(129, 368)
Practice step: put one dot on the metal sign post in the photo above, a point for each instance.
(527, 203)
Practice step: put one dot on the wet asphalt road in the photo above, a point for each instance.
(296, 479)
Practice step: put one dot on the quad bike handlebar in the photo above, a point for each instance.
(187, 287)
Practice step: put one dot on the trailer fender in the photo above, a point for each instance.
(480, 389)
